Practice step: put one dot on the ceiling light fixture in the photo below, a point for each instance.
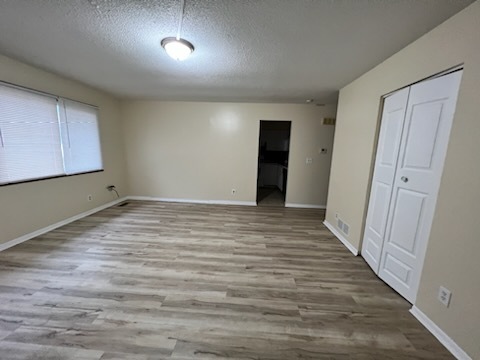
(176, 47)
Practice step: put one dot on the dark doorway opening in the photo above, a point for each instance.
(273, 152)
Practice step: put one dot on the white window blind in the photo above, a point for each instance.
(81, 141)
(43, 136)
(30, 136)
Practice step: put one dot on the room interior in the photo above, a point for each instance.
(181, 139)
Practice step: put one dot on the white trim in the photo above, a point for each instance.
(46, 229)
(341, 238)
(193, 201)
(305, 206)
(444, 339)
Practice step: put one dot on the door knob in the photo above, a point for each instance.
(404, 179)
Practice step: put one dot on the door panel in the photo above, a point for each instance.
(393, 116)
(422, 135)
(397, 269)
(423, 148)
(406, 221)
(393, 126)
(380, 203)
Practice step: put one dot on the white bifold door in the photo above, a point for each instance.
(411, 150)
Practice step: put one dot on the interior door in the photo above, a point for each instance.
(388, 147)
(426, 130)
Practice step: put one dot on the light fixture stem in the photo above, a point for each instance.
(180, 23)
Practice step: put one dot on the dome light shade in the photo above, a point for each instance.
(176, 48)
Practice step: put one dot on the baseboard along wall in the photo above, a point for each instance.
(441, 336)
(193, 201)
(340, 237)
(46, 229)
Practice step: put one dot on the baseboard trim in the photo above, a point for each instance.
(339, 236)
(305, 206)
(193, 201)
(46, 229)
(441, 336)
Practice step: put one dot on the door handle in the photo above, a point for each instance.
(404, 179)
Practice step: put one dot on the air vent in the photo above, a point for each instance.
(329, 121)
(342, 226)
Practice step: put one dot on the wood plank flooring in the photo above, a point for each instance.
(155, 280)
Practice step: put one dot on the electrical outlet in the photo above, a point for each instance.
(234, 191)
(308, 160)
(444, 296)
(336, 215)
(89, 197)
(323, 151)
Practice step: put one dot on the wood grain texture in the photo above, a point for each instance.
(158, 280)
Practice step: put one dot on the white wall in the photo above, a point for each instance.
(454, 245)
(200, 151)
(28, 207)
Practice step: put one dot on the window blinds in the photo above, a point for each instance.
(38, 140)
(80, 138)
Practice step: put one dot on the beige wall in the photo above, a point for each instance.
(200, 151)
(27, 207)
(454, 245)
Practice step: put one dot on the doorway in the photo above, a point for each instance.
(273, 151)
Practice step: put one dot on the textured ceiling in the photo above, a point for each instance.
(245, 50)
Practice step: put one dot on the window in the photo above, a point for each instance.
(43, 136)
(80, 138)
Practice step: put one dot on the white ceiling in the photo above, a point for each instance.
(245, 50)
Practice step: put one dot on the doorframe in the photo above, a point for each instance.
(374, 158)
(258, 152)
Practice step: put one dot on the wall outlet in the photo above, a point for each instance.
(444, 296)
(308, 160)
(234, 191)
(89, 197)
(336, 215)
(323, 151)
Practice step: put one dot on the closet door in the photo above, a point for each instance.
(382, 184)
(426, 130)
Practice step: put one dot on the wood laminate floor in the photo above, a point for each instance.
(176, 281)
